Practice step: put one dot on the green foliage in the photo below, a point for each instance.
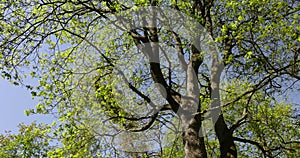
(269, 122)
(31, 141)
(258, 41)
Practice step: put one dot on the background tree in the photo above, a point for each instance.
(31, 141)
(259, 48)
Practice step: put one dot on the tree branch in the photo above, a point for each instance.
(147, 126)
(251, 142)
(239, 121)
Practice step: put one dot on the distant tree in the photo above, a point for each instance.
(31, 141)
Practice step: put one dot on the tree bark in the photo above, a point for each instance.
(227, 146)
(194, 146)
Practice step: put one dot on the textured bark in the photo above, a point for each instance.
(194, 146)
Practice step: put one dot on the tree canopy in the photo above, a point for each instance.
(148, 78)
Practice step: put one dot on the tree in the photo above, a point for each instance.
(31, 141)
(259, 57)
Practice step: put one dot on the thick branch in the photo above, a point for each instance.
(147, 126)
(179, 50)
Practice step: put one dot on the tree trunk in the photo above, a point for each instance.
(227, 146)
(194, 146)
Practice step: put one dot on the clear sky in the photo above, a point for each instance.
(14, 100)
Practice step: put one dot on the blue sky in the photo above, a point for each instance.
(14, 100)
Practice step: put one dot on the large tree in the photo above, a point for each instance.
(243, 88)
